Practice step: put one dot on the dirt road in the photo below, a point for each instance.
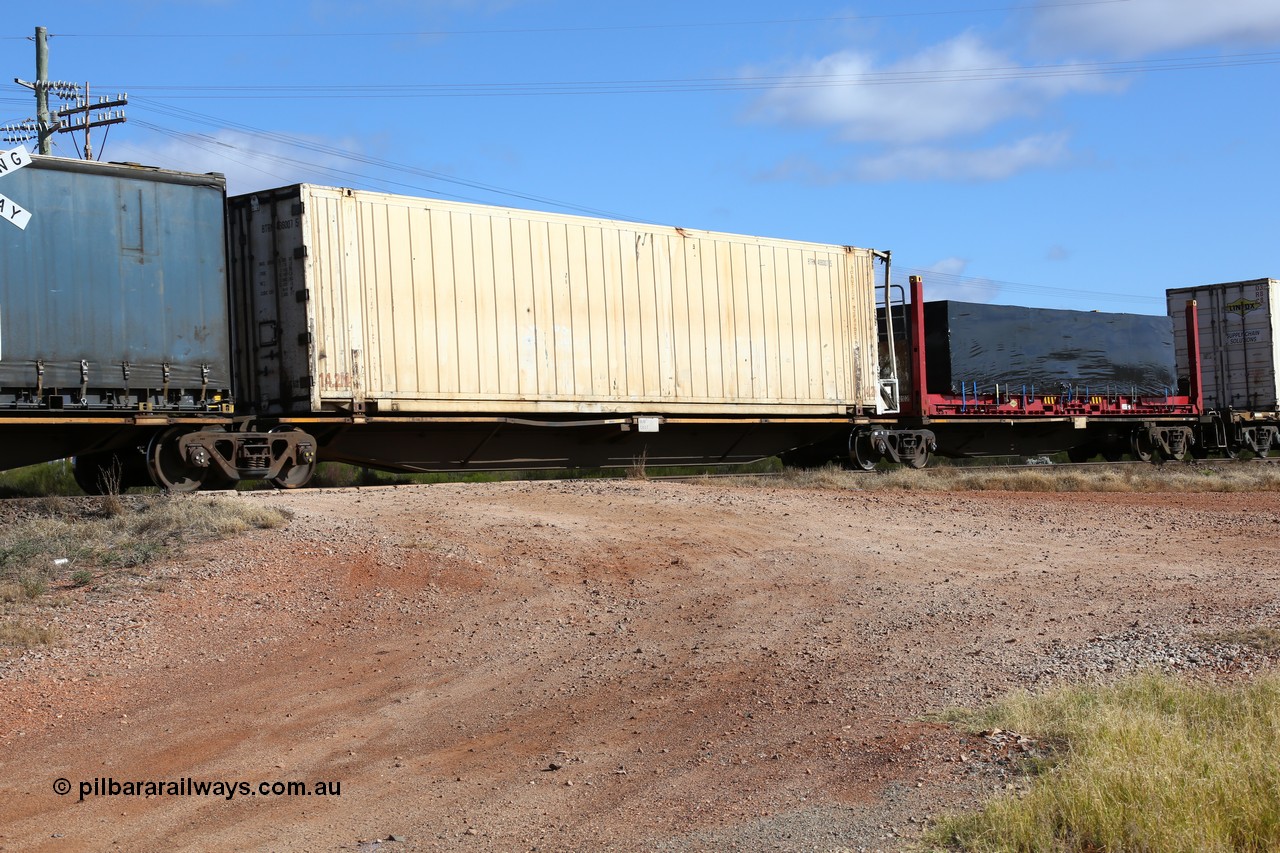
(602, 666)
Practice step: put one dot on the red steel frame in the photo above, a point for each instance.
(1008, 403)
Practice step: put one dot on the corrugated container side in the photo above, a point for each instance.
(1239, 344)
(422, 305)
(122, 268)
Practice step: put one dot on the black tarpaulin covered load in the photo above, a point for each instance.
(1051, 349)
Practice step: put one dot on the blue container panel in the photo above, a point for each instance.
(117, 265)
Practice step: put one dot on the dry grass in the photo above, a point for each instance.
(1120, 478)
(1262, 639)
(74, 540)
(16, 634)
(1148, 764)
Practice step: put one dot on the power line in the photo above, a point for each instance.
(979, 283)
(360, 157)
(591, 28)
(706, 84)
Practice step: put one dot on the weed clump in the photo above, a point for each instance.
(1152, 763)
(17, 634)
(72, 541)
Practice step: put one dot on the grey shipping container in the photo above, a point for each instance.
(1048, 349)
(115, 292)
(359, 301)
(1239, 355)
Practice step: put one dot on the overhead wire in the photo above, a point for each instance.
(377, 162)
(591, 28)
(704, 84)
(982, 285)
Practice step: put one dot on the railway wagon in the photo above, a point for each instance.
(115, 335)
(1240, 357)
(424, 335)
(982, 380)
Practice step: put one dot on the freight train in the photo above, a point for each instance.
(162, 333)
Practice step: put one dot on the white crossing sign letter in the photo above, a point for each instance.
(11, 161)
(14, 159)
(11, 212)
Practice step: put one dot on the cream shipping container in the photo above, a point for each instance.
(447, 315)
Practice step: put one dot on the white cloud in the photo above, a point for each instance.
(249, 162)
(970, 88)
(930, 163)
(923, 163)
(1139, 27)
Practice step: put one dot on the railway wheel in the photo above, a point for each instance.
(1112, 454)
(296, 473)
(168, 469)
(1144, 448)
(1080, 454)
(862, 454)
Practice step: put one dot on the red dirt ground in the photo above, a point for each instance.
(596, 666)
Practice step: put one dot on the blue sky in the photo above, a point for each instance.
(1070, 153)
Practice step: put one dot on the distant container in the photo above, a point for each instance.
(115, 293)
(1048, 349)
(363, 301)
(1238, 342)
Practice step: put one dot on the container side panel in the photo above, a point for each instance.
(646, 319)
(678, 319)
(447, 338)
(598, 311)
(422, 305)
(561, 309)
(579, 293)
(713, 308)
(526, 311)
(616, 366)
(696, 302)
(488, 351)
(505, 299)
(451, 307)
(144, 285)
(400, 310)
(467, 316)
(788, 333)
(757, 358)
(544, 310)
(664, 318)
(324, 242)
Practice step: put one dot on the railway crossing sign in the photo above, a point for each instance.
(11, 211)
